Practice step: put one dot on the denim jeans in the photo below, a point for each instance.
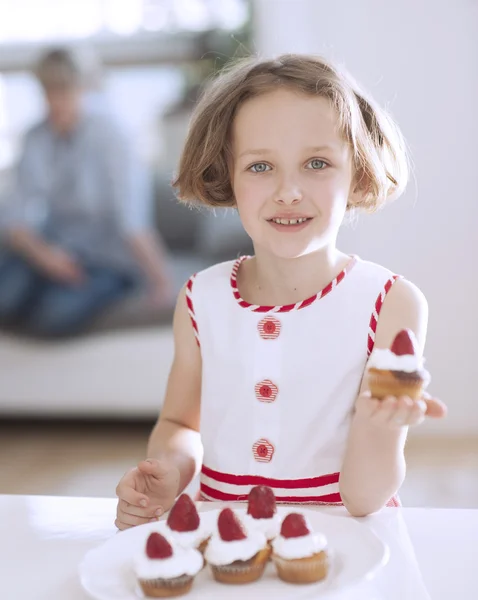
(40, 306)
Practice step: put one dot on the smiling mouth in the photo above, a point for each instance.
(290, 221)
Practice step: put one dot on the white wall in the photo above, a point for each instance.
(419, 58)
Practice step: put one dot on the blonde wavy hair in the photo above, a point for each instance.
(379, 155)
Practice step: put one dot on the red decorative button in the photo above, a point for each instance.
(269, 328)
(263, 450)
(266, 391)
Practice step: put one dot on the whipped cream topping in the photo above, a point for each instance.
(182, 562)
(299, 547)
(385, 359)
(269, 527)
(188, 539)
(219, 552)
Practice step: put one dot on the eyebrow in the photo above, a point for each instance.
(262, 151)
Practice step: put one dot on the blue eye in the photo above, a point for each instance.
(317, 164)
(259, 168)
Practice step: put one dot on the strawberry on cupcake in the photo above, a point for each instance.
(184, 525)
(262, 512)
(299, 554)
(398, 371)
(236, 556)
(164, 571)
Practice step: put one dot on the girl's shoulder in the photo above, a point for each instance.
(219, 272)
(213, 281)
(209, 291)
(367, 268)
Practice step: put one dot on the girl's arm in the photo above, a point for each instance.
(174, 450)
(374, 464)
(175, 437)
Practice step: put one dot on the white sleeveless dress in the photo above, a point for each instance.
(279, 383)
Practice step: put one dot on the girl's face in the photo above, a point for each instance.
(292, 172)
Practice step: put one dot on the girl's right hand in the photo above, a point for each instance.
(146, 492)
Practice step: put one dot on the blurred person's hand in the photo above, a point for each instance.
(146, 492)
(60, 266)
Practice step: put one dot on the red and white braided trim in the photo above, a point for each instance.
(189, 302)
(372, 329)
(288, 307)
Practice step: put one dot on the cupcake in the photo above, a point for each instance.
(164, 573)
(300, 556)
(184, 525)
(262, 512)
(398, 371)
(234, 555)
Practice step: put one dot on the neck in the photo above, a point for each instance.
(278, 281)
(67, 128)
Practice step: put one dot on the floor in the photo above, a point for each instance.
(88, 459)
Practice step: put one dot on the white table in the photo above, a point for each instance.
(43, 539)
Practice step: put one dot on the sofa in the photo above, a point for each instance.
(118, 369)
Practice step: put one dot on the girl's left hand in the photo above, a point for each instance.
(398, 412)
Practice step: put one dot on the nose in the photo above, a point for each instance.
(288, 192)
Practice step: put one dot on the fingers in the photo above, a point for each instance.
(154, 467)
(435, 408)
(150, 512)
(385, 410)
(126, 491)
(128, 515)
(408, 412)
(133, 520)
(121, 526)
(125, 521)
(135, 507)
(130, 495)
(400, 412)
(418, 413)
(403, 411)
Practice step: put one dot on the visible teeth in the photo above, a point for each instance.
(289, 221)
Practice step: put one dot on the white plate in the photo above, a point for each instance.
(356, 554)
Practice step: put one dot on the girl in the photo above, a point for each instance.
(267, 384)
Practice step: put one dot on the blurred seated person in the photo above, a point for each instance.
(76, 233)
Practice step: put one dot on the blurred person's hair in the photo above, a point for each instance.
(379, 155)
(67, 68)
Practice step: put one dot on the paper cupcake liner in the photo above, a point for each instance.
(384, 383)
(242, 571)
(166, 588)
(302, 570)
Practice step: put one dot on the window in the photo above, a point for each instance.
(54, 20)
